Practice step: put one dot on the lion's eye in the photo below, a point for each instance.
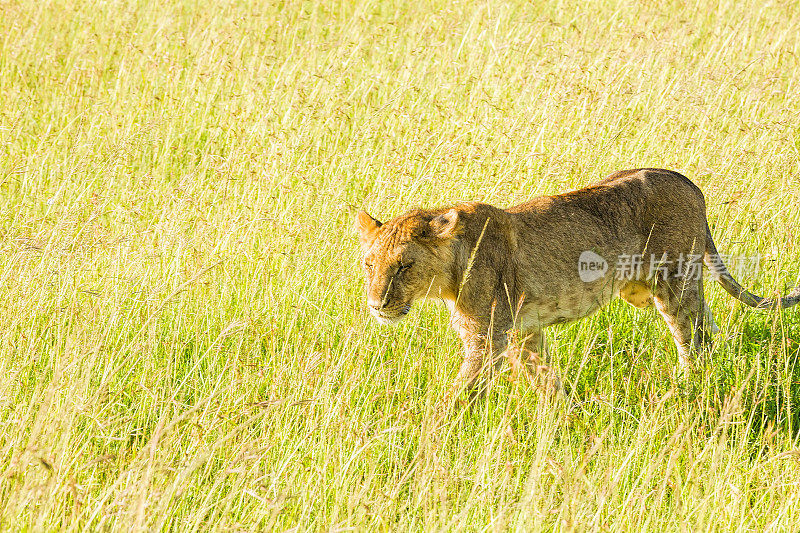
(402, 267)
(368, 267)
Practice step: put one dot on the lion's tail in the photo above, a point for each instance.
(720, 273)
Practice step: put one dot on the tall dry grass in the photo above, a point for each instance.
(183, 341)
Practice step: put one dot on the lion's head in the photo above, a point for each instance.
(405, 259)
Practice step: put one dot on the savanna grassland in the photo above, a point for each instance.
(184, 343)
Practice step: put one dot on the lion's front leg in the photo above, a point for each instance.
(528, 357)
(480, 353)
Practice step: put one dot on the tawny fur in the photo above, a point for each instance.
(515, 270)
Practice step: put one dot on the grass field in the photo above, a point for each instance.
(184, 343)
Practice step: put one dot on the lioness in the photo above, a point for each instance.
(639, 234)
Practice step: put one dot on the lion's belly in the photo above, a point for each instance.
(567, 305)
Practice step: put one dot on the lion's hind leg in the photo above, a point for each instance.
(680, 303)
(706, 327)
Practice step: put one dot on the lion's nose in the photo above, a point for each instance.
(375, 304)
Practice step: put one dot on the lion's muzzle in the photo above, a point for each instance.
(388, 314)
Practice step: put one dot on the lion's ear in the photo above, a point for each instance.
(445, 225)
(366, 227)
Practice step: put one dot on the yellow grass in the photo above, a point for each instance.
(184, 344)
